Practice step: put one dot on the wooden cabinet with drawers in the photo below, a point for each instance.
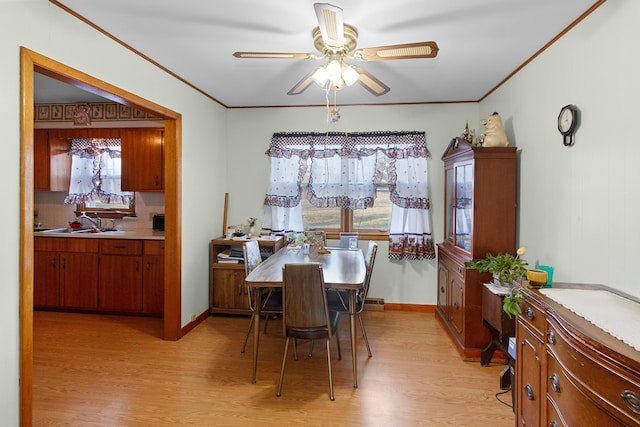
(569, 372)
(93, 274)
(227, 289)
(120, 284)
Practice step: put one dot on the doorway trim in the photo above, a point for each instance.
(31, 62)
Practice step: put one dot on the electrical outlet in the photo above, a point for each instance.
(193, 317)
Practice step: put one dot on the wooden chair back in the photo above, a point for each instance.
(252, 257)
(304, 298)
(316, 237)
(347, 240)
(369, 260)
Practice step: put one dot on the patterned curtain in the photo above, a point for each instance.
(345, 169)
(410, 230)
(282, 209)
(96, 171)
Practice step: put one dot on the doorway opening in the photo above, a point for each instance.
(32, 62)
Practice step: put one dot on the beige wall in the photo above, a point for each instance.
(407, 282)
(46, 29)
(577, 205)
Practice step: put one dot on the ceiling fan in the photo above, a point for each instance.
(337, 41)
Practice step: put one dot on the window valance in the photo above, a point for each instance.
(343, 170)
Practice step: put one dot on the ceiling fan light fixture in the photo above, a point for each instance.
(334, 69)
(349, 74)
(321, 76)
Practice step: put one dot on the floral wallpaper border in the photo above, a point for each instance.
(98, 112)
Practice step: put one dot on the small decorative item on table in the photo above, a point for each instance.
(537, 278)
(252, 223)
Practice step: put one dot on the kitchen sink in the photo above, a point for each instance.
(67, 230)
(75, 231)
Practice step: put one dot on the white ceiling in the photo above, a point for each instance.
(481, 43)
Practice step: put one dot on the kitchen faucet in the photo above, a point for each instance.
(95, 222)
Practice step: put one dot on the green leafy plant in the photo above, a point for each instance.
(509, 270)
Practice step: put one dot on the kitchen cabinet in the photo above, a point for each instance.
(142, 160)
(562, 361)
(65, 273)
(142, 166)
(120, 275)
(480, 218)
(94, 274)
(52, 163)
(227, 289)
(153, 277)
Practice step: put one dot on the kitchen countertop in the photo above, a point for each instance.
(141, 234)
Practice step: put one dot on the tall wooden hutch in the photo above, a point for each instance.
(480, 218)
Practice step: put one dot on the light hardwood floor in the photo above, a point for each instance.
(98, 370)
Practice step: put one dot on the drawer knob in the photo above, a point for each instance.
(455, 305)
(632, 400)
(530, 313)
(553, 424)
(551, 337)
(529, 392)
(555, 383)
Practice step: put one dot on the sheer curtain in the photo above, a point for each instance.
(96, 171)
(345, 169)
(282, 209)
(410, 230)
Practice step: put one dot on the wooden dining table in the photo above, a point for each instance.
(342, 268)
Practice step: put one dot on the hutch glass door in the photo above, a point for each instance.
(463, 206)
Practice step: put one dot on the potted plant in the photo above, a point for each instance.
(508, 271)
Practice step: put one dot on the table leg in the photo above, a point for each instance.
(257, 305)
(352, 321)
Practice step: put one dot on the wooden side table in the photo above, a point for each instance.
(501, 327)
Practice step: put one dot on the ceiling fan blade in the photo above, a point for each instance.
(398, 51)
(274, 55)
(302, 84)
(371, 83)
(331, 24)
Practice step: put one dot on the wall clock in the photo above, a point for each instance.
(568, 121)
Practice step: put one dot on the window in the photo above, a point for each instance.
(374, 183)
(372, 222)
(95, 177)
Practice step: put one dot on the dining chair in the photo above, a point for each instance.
(271, 298)
(338, 300)
(305, 312)
(316, 237)
(349, 240)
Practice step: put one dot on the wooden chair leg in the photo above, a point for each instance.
(246, 337)
(338, 342)
(364, 335)
(330, 376)
(284, 362)
(295, 348)
(310, 349)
